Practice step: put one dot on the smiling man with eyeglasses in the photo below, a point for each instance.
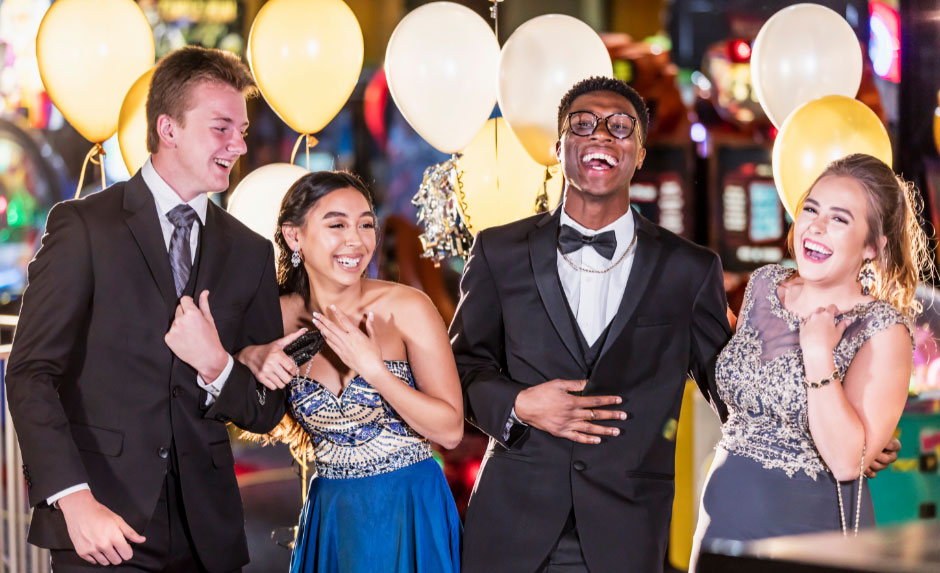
(574, 337)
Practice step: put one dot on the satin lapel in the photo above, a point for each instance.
(648, 247)
(215, 246)
(145, 226)
(542, 248)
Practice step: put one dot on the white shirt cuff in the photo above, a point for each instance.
(215, 388)
(56, 497)
(513, 420)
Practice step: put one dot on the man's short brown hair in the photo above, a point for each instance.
(179, 71)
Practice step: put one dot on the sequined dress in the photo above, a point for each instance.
(767, 478)
(378, 501)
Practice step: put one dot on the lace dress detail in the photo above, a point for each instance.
(760, 375)
(356, 434)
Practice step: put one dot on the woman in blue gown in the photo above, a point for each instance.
(366, 408)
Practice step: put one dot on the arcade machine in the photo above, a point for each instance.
(910, 488)
(662, 190)
(747, 223)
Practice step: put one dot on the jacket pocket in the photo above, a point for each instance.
(221, 453)
(98, 440)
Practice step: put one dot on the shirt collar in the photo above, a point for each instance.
(622, 227)
(166, 198)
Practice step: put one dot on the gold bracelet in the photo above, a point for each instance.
(834, 377)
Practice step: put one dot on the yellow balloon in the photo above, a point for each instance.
(306, 56)
(819, 132)
(89, 53)
(936, 128)
(132, 124)
(500, 179)
(936, 124)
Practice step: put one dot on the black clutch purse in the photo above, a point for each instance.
(305, 347)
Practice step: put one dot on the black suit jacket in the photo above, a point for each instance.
(95, 393)
(512, 331)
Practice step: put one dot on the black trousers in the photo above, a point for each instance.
(566, 556)
(169, 546)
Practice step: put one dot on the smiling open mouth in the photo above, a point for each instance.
(223, 163)
(348, 262)
(815, 251)
(599, 161)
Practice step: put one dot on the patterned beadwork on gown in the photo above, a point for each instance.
(356, 434)
(760, 375)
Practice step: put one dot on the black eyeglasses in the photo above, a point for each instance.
(584, 123)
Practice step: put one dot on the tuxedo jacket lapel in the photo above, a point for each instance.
(648, 248)
(215, 245)
(542, 246)
(142, 219)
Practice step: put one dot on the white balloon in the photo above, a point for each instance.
(441, 64)
(256, 201)
(802, 53)
(539, 63)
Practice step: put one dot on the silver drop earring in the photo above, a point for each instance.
(295, 258)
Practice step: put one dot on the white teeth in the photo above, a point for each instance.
(348, 262)
(223, 163)
(609, 160)
(811, 246)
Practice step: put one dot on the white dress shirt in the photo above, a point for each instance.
(594, 298)
(166, 199)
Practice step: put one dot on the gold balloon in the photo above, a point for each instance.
(936, 124)
(819, 132)
(89, 53)
(500, 179)
(306, 56)
(132, 124)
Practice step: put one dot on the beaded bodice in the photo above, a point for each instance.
(760, 375)
(356, 434)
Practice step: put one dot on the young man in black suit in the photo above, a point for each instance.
(575, 334)
(121, 417)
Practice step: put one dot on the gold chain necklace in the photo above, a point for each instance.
(600, 271)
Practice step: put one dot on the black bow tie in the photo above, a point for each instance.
(570, 240)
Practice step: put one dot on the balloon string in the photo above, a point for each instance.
(92, 157)
(541, 200)
(494, 12)
(311, 142)
(461, 196)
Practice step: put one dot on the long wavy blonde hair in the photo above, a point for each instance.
(894, 208)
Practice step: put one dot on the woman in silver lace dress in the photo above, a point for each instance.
(367, 406)
(816, 375)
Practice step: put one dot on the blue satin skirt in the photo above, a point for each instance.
(397, 522)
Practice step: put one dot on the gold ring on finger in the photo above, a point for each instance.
(593, 415)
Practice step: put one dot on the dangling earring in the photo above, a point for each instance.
(866, 277)
(295, 258)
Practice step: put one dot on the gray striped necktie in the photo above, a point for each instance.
(181, 257)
